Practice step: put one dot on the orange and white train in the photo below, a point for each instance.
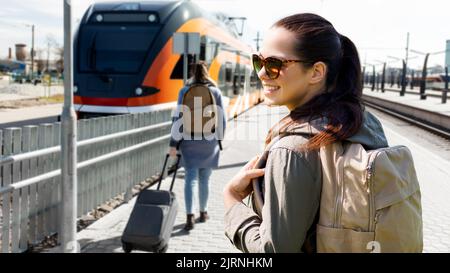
(124, 62)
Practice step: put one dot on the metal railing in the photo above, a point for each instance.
(114, 154)
(442, 94)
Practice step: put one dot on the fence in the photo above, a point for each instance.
(114, 154)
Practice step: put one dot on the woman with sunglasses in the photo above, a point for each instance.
(307, 66)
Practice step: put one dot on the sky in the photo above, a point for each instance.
(377, 27)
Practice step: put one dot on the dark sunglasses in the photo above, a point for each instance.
(271, 64)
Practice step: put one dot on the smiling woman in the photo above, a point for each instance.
(307, 66)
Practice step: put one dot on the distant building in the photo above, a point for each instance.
(12, 65)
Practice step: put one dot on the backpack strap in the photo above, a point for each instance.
(257, 197)
(258, 182)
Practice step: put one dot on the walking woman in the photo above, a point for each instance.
(200, 156)
(307, 66)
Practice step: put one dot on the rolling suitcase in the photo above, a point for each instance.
(151, 221)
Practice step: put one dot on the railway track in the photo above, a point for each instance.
(415, 119)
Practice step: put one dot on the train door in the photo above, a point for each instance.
(237, 76)
(203, 42)
(228, 86)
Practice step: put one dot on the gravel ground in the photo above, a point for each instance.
(17, 95)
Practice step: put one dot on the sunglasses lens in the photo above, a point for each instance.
(257, 63)
(273, 67)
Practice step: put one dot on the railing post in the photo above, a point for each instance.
(403, 90)
(383, 75)
(373, 78)
(444, 92)
(392, 78)
(363, 76)
(423, 96)
(68, 145)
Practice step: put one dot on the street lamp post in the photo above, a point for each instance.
(32, 49)
(68, 145)
(32, 52)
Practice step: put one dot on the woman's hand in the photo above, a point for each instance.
(172, 152)
(239, 186)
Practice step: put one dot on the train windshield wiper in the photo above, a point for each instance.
(93, 54)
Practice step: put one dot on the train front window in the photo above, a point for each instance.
(115, 48)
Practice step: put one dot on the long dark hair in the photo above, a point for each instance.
(340, 103)
(200, 74)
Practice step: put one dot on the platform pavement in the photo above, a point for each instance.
(244, 139)
(433, 104)
(433, 173)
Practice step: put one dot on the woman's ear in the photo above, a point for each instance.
(319, 72)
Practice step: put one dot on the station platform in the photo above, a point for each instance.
(412, 98)
(244, 139)
(428, 113)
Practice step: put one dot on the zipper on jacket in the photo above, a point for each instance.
(370, 173)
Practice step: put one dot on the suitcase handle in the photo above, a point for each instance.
(164, 168)
(175, 172)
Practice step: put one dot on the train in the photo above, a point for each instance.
(435, 82)
(124, 60)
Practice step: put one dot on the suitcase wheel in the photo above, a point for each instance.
(164, 249)
(127, 248)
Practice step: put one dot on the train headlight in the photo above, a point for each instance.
(152, 18)
(99, 18)
(75, 88)
(138, 91)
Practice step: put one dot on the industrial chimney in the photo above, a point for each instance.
(21, 53)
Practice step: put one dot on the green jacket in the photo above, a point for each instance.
(292, 182)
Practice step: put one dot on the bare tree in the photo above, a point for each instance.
(51, 42)
(59, 59)
(40, 63)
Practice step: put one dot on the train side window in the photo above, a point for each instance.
(236, 84)
(177, 73)
(203, 43)
(243, 70)
(228, 72)
(254, 78)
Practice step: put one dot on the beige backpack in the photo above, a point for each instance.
(202, 109)
(370, 200)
